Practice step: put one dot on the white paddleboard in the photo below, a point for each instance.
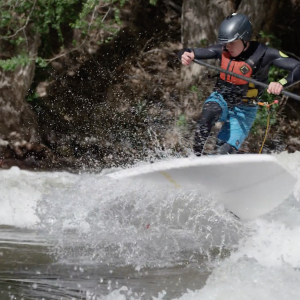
(248, 185)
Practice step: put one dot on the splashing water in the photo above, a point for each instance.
(161, 241)
(134, 224)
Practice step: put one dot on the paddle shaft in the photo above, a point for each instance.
(264, 85)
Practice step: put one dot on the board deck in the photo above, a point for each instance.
(248, 185)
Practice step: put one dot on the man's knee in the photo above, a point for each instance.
(226, 149)
(211, 112)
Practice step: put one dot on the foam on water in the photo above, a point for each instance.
(266, 263)
(131, 224)
(243, 280)
(20, 192)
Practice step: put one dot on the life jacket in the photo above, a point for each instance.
(244, 68)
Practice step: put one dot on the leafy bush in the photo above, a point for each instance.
(51, 17)
(275, 74)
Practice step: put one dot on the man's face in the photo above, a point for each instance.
(235, 48)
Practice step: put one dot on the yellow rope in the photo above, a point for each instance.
(267, 129)
(267, 105)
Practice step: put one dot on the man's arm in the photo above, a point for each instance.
(281, 60)
(211, 52)
(214, 51)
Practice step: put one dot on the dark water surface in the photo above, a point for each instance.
(28, 270)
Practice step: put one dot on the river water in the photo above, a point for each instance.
(86, 236)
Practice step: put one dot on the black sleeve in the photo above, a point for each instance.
(281, 60)
(214, 51)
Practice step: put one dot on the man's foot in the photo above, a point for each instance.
(227, 149)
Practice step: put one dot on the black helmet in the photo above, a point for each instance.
(235, 27)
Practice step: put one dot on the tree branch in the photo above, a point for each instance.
(106, 15)
(22, 28)
(74, 49)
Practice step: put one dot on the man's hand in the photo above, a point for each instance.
(187, 57)
(275, 88)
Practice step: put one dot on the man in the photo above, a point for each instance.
(234, 100)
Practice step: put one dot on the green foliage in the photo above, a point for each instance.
(275, 74)
(181, 122)
(53, 19)
(11, 64)
(81, 23)
(33, 97)
(270, 39)
(153, 2)
(203, 42)
(196, 90)
(261, 120)
(41, 62)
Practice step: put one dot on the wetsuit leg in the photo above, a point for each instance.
(211, 113)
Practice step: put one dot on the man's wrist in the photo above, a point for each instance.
(283, 81)
(190, 50)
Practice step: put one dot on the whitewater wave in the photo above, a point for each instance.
(126, 223)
